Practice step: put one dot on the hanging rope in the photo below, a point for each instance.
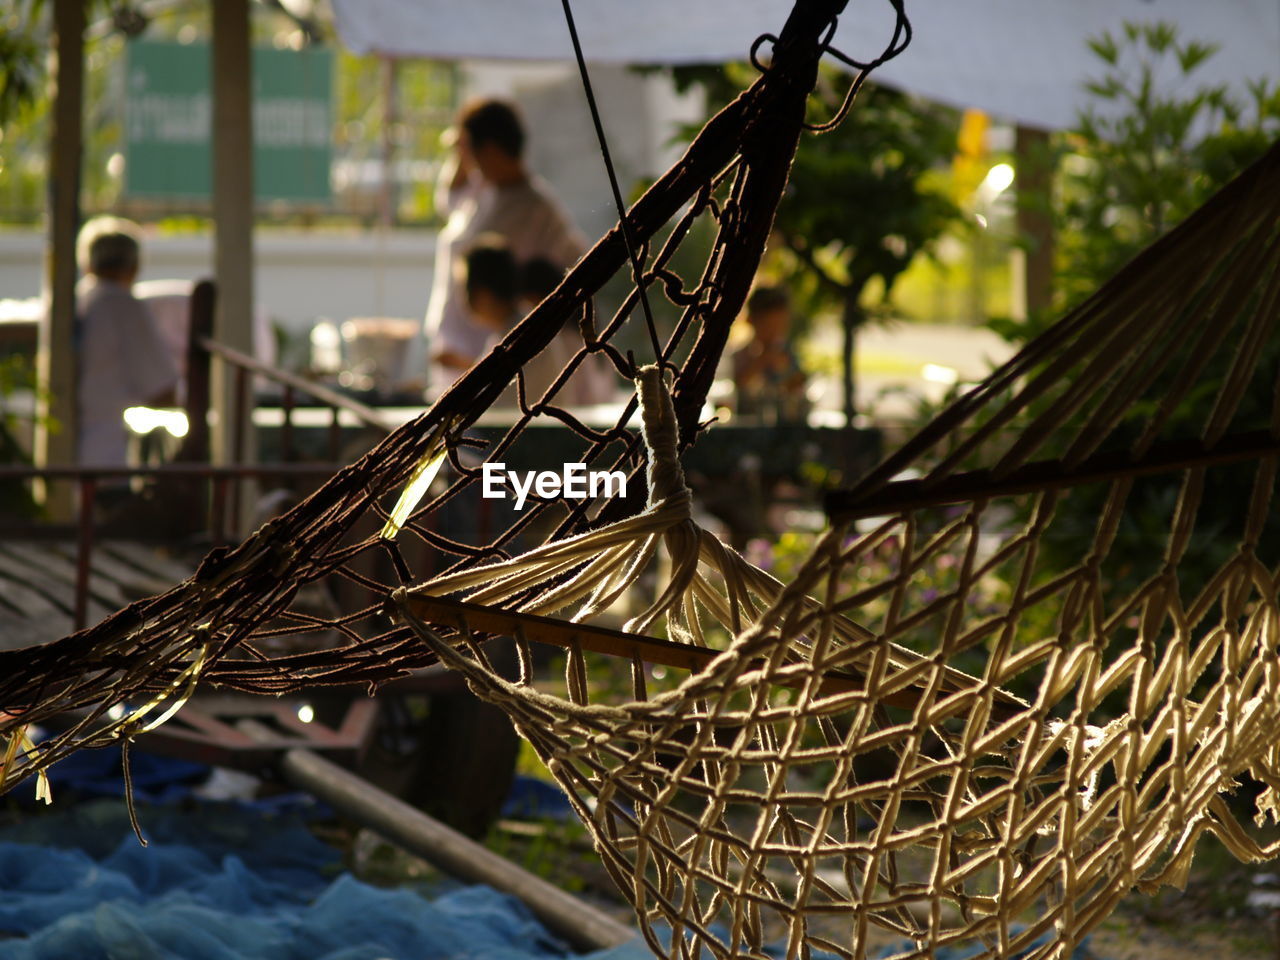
(637, 269)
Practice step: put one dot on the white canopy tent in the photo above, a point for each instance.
(1022, 60)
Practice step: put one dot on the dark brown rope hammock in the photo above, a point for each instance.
(732, 173)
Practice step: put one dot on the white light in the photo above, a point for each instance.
(305, 713)
(999, 178)
(326, 347)
(982, 221)
(116, 711)
(936, 373)
(143, 420)
(299, 8)
(115, 165)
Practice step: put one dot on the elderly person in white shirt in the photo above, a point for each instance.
(121, 357)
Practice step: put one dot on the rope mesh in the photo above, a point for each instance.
(962, 721)
(1024, 741)
(214, 627)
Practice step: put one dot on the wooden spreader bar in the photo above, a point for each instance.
(460, 615)
(902, 495)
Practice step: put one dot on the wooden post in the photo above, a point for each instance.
(1034, 164)
(189, 499)
(232, 209)
(195, 448)
(55, 436)
(388, 199)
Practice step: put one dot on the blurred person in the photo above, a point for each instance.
(491, 280)
(493, 284)
(538, 278)
(767, 377)
(121, 358)
(486, 187)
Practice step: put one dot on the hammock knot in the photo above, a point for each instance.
(658, 423)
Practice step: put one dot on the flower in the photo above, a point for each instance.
(759, 552)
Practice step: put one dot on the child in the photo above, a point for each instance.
(493, 289)
(768, 378)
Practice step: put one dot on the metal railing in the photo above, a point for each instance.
(221, 524)
(291, 385)
(202, 348)
(191, 462)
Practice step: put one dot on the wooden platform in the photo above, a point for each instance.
(37, 585)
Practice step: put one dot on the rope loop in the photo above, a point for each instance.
(667, 485)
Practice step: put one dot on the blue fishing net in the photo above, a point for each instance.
(224, 882)
(236, 881)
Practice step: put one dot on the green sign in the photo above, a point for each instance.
(169, 116)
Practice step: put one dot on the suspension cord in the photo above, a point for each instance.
(636, 271)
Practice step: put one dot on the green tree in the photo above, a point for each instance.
(1147, 153)
(21, 59)
(861, 208)
(862, 202)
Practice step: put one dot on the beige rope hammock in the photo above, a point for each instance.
(592, 571)
(1069, 762)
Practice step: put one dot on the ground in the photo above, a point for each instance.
(1211, 920)
(924, 358)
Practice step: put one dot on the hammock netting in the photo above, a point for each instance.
(969, 717)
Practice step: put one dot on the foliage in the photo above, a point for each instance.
(17, 376)
(426, 96)
(22, 125)
(862, 201)
(1146, 154)
(1143, 157)
(861, 204)
(25, 108)
(21, 59)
